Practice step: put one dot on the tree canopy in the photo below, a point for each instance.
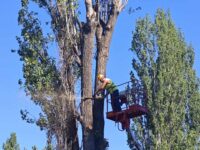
(163, 62)
(11, 143)
(51, 83)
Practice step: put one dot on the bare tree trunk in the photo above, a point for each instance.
(86, 109)
(93, 118)
(88, 33)
(103, 38)
(98, 107)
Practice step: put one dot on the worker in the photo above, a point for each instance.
(111, 88)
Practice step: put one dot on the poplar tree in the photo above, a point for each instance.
(163, 63)
(11, 143)
(51, 82)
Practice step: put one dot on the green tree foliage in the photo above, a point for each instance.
(11, 143)
(34, 148)
(51, 86)
(50, 83)
(163, 62)
(48, 147)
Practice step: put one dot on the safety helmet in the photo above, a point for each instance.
(100, 76)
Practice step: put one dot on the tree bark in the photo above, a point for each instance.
(88, 31)
(66, 127)
(93, 114)
(86, 107)
(71, 142)
(103, 38)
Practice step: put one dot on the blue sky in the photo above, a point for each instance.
(184, 13)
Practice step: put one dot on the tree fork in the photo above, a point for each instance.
(103, 38)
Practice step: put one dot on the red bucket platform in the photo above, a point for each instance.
(124, 116)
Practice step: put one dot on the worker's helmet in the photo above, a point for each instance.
(100, 76)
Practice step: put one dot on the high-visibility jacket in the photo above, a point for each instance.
(110, 86)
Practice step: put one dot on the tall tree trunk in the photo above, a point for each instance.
(86, 108)
(94, 120)
(103, 38)
(88, 35)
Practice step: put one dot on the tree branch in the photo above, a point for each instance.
(97, 9)
(123, 5)
(89, 10)
(79, 117)
(61, 9)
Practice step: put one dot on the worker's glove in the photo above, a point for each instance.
(98, 96)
